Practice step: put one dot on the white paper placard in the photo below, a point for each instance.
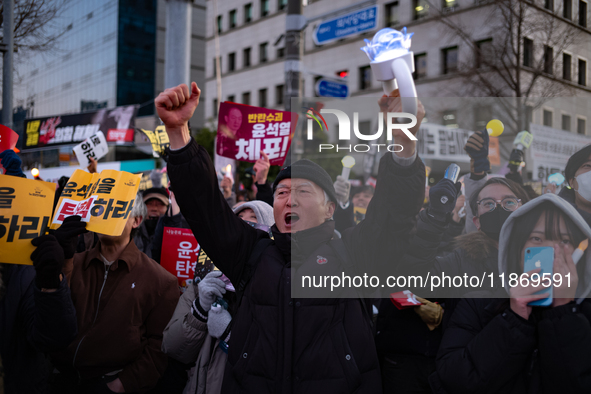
(94, 146)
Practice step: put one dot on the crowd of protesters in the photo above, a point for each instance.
(99, 314)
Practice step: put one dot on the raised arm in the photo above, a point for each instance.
(226, 239)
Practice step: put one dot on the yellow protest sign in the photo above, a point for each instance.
(25, 212)
(159, 139)
(103, 200)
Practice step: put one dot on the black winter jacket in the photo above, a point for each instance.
(32, 324)
(281, 344)
(489, 349)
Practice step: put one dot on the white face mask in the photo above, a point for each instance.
(584, 182)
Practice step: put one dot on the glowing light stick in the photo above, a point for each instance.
(523, 140)
(556, 178)
(392, 62)
(35, 172)
(495, 128)
(348, 163)
(577, 254)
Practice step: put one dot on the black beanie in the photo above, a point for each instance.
(307, 169)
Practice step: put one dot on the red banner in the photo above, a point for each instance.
(120, 135)
(244, 131)
(8, 138)
(180, 251)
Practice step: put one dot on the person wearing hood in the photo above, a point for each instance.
(198, 333)
(498, 343)
(157, 201)
(282, 343)
(578, 176)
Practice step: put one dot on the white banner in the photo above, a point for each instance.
(551, 150)
(94, 146)
(443, 143)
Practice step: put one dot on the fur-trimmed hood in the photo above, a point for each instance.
(568, 210)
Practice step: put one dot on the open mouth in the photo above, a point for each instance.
(291, 218)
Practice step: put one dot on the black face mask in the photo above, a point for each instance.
(151, 224)
(492, 222)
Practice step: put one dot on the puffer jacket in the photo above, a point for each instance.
(302, 345)
(487, 348)
(186, 339)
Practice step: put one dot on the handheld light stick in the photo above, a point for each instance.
(35, 173)
(348, 163)
(556, 178)
(577, 254)
(523, 140)
(452, 172)
(392, 63)
(495, 128)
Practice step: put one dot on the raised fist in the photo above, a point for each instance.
(175, 106)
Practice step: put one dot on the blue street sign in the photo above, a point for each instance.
(359, 21)
(328, 88)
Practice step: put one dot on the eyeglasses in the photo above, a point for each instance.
(489, 204)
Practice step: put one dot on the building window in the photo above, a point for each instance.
(548, 59)
(420, 9)
(448, 5)
(566, 66)
(450, 119)
(232, 19)
(281, 5)
(565, 122)
(263, 52)
(232, 61)
(420, 66)
(528, 52)
(264, 8)
(549, 5)
(219, 24)
(581, 126)
(364, 77)
(232, 99)
(279, 95)
(582, 72)
(246, 98)
(246, 57)
(280, 53)
(215, 69)
(582, 13)
(484, 52)
(547, 118)
(263, 98)
(482, 115)
(529, 113)
(392, 14)
(248, 13)
(567, 9)
(450, 60)
(215, 108)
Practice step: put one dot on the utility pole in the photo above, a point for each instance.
(177, 63)
(294, 50)
(7, 60)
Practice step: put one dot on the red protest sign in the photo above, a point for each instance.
(180, 251)
(244, 131)
(8, 138)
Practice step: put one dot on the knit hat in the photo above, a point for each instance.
(262, 210)
(307, 169)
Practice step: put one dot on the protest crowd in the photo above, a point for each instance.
(99, 313)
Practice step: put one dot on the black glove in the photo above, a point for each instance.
(67, 234)
(477, 149)
(48, 259)
(515, 160)
(442, 199)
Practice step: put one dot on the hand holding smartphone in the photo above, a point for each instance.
(542, 258)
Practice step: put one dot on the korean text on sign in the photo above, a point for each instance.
(159, 140)
(244, 131)
(103, 200)
(25, 212)
(180, 251)
(94, 146)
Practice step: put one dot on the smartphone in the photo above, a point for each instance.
(541, 257)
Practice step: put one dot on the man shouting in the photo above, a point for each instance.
(280, 343)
